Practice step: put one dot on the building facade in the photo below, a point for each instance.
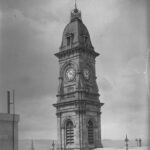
(8, 131)
(78, 106)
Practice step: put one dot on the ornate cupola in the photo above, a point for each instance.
(76, 34)
(78, 106)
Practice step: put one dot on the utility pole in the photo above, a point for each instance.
(126, 141)
(13, 112)
(8, 102)
(13, 119)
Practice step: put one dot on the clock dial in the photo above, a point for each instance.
(70, 74)
(86, 74)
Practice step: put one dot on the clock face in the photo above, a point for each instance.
(86, 74)
(70, 73)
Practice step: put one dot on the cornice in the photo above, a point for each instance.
(76, 50)
(78, 102)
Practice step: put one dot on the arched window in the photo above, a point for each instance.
(68, 40)
(90, 132)
(69, 132)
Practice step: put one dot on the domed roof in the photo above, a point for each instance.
(75, 33)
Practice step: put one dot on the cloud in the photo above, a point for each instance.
(26, 59)
(31, 32)
(38, 116)
(105, 85)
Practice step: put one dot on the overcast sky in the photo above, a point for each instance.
(30, 34)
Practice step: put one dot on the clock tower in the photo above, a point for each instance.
(78, 107)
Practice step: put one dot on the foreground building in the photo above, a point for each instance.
(8, 131)
(78, 105)
(9, 127)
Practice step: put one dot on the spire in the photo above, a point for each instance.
(75, 13)
(75, 4)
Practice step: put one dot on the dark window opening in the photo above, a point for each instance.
(90, 133)
(69, 133)
(85, 39)
(68, 41)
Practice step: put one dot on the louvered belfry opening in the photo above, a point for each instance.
(90, 132)
(69, 132)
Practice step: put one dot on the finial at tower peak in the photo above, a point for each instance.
(75, 14)
(75, 7)
(75, 4)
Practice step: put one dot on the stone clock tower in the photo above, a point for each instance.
(78, 105)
